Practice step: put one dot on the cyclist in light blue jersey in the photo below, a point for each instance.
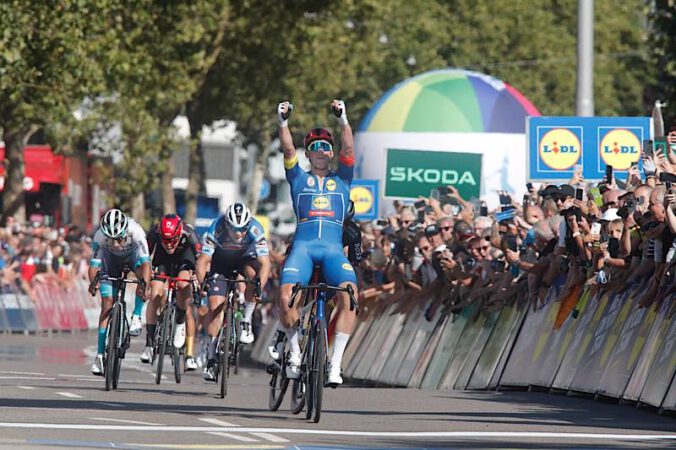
(320, 200)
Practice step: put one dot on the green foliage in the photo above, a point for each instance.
(663, 55)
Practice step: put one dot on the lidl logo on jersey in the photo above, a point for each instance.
(321, 207)
(619, 148)
(321, 202)
(330, 185)
(412, 173)
(560, 148)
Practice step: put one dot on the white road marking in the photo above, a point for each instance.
(394, 434)
(21, 373)
(28, 388)
(69, 395)
(137, 422)
(27, 378)
(270, 437)
(234, 436)
(220, 423)
(78, 375)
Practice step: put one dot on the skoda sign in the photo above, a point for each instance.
(411, 173)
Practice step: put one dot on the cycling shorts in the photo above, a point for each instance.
(112, 265)
(328, 255)
(217, 286)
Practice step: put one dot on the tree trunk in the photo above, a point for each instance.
(13, 199)
(196, 172)
(138, 208)
(168, 199)
(254, 190)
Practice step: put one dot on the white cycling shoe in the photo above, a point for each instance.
(190, 364)
(334, 379)
(136, 326)
(246, 335)
(146, 355)
(275, 350)
(179, 335)
(293, 366)
(97, 367)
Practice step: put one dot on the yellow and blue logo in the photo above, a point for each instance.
(620, 148)
(331, 185)
(560, 149)
(362, 198)
(321, 202)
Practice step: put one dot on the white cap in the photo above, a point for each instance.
(610, 215)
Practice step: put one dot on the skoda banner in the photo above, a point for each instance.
(412, 173)
(558, 145)
(364, 194)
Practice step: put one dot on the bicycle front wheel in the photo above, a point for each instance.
(278, 385)
(318, 370)
(111, 346)
(163, 331)
(224, 347)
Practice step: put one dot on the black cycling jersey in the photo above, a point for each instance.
(352, 240)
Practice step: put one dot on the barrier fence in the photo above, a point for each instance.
(591, 341)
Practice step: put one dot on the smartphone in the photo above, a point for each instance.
(419, 204)
(382, 222)
(421, 215)
(596, 228)
(529, 186)
(648, 148)
(444, 190)
(578, 194)
(526, 200)
(668, 183)
(609, 174)
(435, 194)
(483, 210)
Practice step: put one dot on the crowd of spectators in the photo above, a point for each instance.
(31, 251)
(612, 235)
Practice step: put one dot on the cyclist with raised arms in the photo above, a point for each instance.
(235, 241)
(320, 200)
(118, 242)
(174, 246)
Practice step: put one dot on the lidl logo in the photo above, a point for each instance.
(362, 198)
(331, 185)
(620, 148)
(321, 202)
(560, 149)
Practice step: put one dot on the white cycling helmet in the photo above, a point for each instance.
(238, 215)
(114, 224)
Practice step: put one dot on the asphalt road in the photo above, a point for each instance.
(48, 398)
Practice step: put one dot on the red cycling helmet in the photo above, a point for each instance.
(318, 134)
(171, 228)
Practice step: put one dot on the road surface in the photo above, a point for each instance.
(48, 398)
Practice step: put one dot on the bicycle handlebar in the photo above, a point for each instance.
(323, 287)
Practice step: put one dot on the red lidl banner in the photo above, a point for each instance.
(42, 166)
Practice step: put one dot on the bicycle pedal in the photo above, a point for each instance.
(272, 368)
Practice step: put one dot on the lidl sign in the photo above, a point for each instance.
(364, 194)
(557, 145)
(412, 173)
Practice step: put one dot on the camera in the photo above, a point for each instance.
(572, 211)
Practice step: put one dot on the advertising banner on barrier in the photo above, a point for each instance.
(365, 194)
(662, 371)
(428, 351)
(463, 348)
(477, 349)
(670, 400)
(422, 331)
(557, 145)
(12, 308)
(383, 364)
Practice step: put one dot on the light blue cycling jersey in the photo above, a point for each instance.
(320, 206)
(217, 239)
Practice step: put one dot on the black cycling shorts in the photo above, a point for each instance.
(171, 265)
(226, 269)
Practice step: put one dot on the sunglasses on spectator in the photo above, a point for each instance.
(320, 146)
(448, 228)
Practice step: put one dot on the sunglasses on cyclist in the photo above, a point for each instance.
(119, 240)
(320, 146)
(171, 242)
(238, 229)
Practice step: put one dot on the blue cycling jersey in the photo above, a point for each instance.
(320, 204)
(217, 239)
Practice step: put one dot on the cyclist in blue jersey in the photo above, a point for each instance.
(320, 200)
(235, 241)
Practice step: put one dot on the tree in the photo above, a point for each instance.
(662, 41)
(46, 69)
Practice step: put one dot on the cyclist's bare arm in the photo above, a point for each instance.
(266, 268)
(202, 267)
(285, 138)
(346, 136)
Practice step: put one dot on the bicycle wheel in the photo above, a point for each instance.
(120, 353)
(224, 351)
(278, 385)
(176, 361)
(318, 370)
(298, 390)
(306, 371)
(162, 344)
(111, 346)
(236, 345)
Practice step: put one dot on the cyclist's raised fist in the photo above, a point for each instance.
(338, 109)
(283, 112)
